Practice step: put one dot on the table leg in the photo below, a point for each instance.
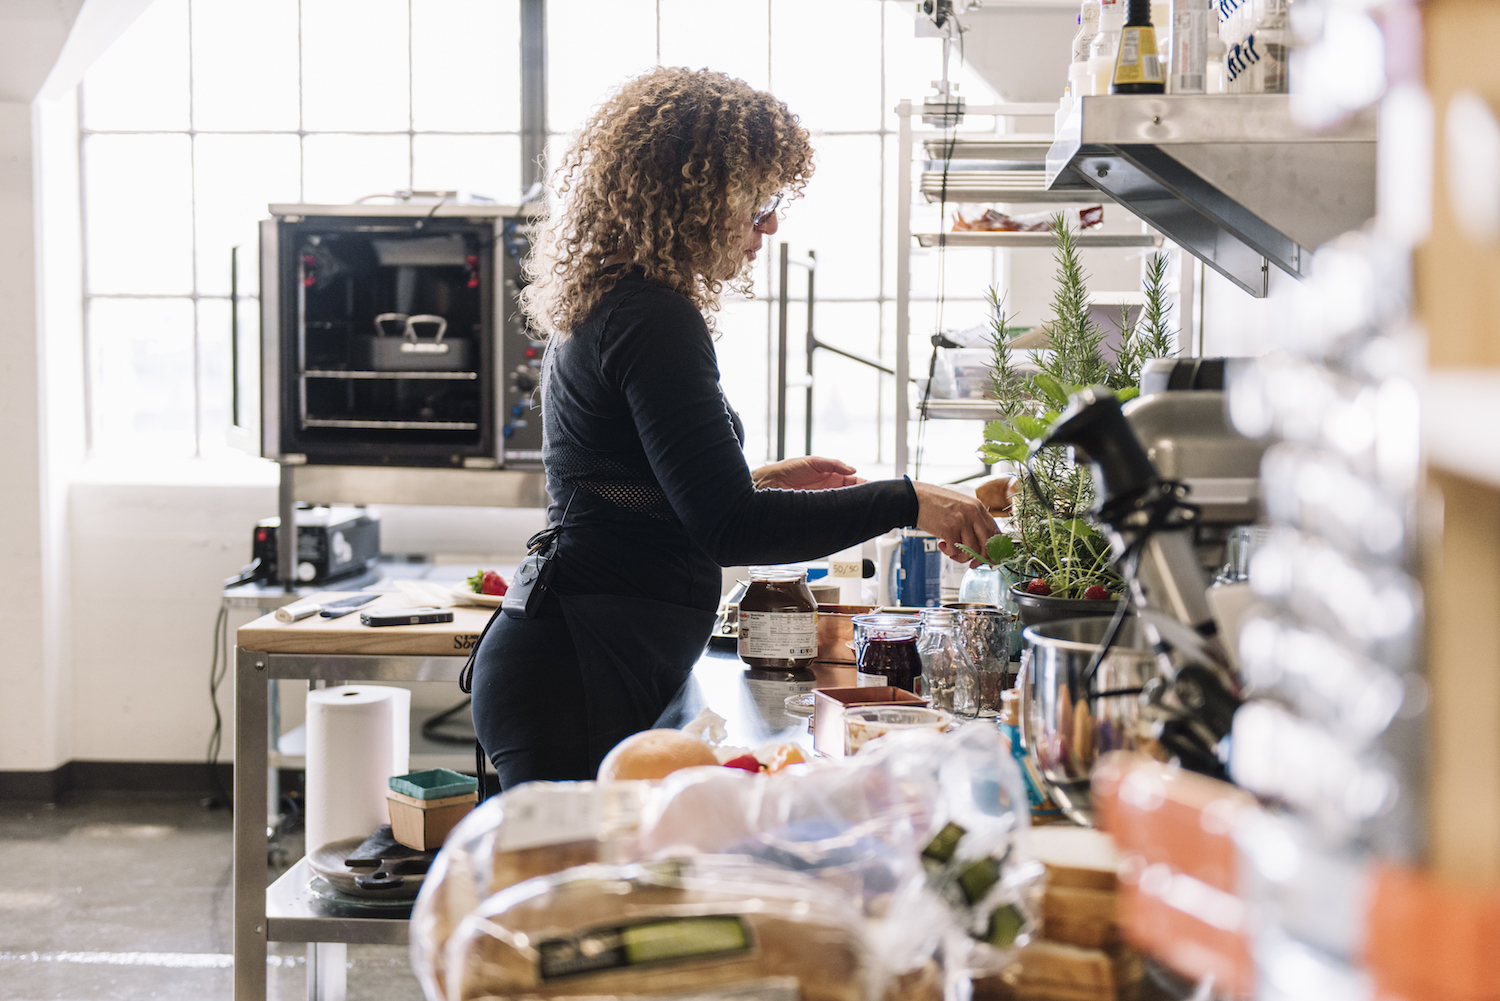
(327, 965)
(250, 750)
(273, 771)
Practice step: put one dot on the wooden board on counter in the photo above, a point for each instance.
(347, 635)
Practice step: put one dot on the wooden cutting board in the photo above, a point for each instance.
(347, 635)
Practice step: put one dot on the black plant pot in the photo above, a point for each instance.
(1037, 608)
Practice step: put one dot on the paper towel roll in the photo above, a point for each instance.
(297, 610)
(357, 738)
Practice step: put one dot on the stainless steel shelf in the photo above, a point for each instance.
(314, 422)
(1017, 146)
(1039, 240)
(295, 914)
(1002, 186)
(968, 410)
(1231, 178)
(335, 373)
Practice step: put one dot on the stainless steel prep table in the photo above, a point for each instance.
(341, 650)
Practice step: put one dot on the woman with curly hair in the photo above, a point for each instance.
(662, 201)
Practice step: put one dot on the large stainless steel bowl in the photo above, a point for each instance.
(1069, 720)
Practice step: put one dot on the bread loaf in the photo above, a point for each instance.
(674, 928)
(1080, 917)
(1053, 971)
(535, 830)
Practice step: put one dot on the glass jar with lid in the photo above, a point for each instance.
(778, 638)
(949, 679)
(885, 650)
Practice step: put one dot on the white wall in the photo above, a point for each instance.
(1235, 324)
(148, 562)
(31, 675)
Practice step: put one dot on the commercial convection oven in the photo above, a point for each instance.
(391, 336)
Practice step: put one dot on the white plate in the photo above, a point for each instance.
(461, 590)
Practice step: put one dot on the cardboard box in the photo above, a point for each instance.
(829, 705)
(423, 824)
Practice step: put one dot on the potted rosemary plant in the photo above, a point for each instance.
(1056, 563)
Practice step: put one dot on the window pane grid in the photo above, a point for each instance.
(408, 126)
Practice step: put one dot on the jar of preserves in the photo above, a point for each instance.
(885, 649)
(778, 638)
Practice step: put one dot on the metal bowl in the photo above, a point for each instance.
(1069, 720)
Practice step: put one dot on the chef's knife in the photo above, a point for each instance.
(344, 606)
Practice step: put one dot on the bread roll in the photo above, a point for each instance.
(654, 754)
(671, 928)
(996, 494)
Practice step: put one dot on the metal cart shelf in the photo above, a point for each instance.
(1044, 241)
(333, 651)
(287, 911)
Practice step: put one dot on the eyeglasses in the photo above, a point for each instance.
(766, 211)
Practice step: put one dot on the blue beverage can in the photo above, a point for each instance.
(917, 570)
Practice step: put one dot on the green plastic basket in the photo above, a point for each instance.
(434, 783)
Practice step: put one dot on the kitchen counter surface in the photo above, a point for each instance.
(717, 682)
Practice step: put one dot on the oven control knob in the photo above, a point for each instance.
(525, 382)
(306, 571)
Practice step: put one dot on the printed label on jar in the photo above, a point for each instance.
(778, 635)
(770, 699)
(871, 680)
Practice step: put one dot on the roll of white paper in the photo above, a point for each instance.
(297, 610)
(357, 738)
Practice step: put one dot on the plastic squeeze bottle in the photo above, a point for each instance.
(1105, 44)
(1079, 82)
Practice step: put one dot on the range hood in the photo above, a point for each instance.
(1231, 179)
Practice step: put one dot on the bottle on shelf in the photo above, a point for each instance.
(1271, 37)
(1190, 31)
(1079, 82)
(1105, 44)
(1215, 78)
(1137, 66)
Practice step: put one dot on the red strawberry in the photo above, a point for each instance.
(1095, 592)
(745, 761)
(493, 584)
(1039, 586)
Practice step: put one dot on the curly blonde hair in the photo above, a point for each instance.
(663, 177)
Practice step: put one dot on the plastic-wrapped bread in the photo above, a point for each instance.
(715, 925)
(533, 830)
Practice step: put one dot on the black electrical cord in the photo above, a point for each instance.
(218, 666)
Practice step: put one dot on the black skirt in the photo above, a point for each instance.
(553, 694)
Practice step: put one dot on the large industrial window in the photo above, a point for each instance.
(205, 111)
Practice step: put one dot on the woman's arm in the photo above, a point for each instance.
(664, 362)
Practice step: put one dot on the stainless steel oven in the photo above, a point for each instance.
(390, 336)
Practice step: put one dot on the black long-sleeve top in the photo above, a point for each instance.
(638, 438)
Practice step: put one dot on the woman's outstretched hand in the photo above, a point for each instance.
(807, 472)
(954, 518)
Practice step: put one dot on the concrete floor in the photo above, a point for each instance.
(108, 899)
